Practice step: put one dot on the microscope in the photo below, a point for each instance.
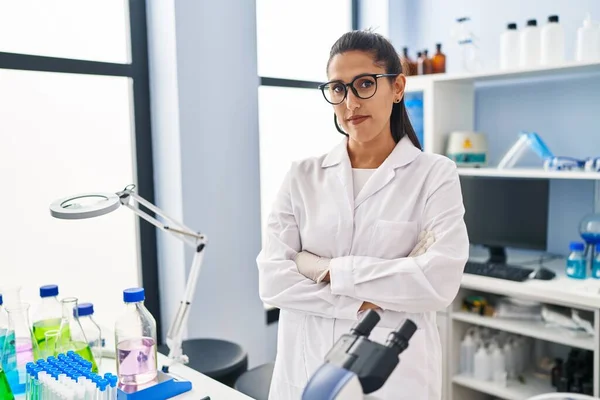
(355, 365)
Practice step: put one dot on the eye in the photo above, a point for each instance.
(337, 88)
(365, 83)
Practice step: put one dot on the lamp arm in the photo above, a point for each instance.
(175, 333)
(193, 239)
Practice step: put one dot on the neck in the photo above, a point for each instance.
(370, 155)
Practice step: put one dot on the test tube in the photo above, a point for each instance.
(51, 339)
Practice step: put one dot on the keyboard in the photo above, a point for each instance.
(500, 271)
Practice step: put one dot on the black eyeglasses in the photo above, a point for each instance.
(363, 86)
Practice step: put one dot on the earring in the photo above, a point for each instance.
(397, 101)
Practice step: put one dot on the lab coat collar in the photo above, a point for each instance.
(404, 153)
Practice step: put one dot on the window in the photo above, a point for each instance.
(295, 121)
(71, 126)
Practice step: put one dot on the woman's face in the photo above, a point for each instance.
(364, 119)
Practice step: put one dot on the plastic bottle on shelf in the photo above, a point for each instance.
(576, 262)
(498, 365)
(588, 41)
(529, 45)
(467, 353)
(509, 47)
(552, 44)
(438, 62)
(482, 366)
(135, 338)
(509, 359)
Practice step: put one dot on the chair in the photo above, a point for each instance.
(256, 382)
(218, 359)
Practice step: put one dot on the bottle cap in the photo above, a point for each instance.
(553, 18)
(531, 22)
(71, 353)
(48, 291)
(113, 381)
(511, 26)
(84, 309)
(576, 246)
(133, 295)
(102, 384)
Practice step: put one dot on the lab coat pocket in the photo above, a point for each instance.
(393, 239)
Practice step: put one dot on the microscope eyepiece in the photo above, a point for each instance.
(366, 323)
(399, 338)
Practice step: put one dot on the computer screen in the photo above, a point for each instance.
(506, 212)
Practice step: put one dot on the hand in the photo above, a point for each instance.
(426, 239)
(312, 266)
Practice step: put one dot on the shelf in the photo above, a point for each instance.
(564, 70)
(528, 173)
(533, 329)
(513, 391)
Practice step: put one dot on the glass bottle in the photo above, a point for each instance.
(91, 330)
(427, 65)
(46, 317)
(407, 62)
(135, 338)
(439, 60)
(18, 347)
(71, 333)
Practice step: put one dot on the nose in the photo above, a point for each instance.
(352, 101)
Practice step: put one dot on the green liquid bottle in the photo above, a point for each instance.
(46, 316)
(83, 349)
(5, 392)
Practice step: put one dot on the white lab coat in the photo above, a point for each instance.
(368, 240)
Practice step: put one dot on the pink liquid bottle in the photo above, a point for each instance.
(135, 338)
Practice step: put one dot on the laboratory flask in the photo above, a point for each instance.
(71, 335)
(18, 347)
(5, 391)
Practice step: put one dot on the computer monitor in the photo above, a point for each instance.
(506, 212)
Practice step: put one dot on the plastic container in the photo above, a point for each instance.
(467, 354)
(482, 367)
(46, 317)
(596, 263)
(498, 365)
(529, 45)
(588, 41)
(91, 330)
(576, 263)
(552, 45)
(509, 47)
(135, 338)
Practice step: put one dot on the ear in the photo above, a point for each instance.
(399, 85)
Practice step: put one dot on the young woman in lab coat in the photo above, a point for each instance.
(375, 223)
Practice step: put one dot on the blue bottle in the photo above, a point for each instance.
(576, 263)
(596, 263)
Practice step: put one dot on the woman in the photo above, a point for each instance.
(375, 223)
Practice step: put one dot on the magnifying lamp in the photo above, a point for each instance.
(89, 205)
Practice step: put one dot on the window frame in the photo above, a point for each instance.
(138, 71)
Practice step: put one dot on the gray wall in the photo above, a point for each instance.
(216, 83)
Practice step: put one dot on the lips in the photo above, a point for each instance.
(357, 119)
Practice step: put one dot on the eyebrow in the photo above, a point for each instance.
(357, 76)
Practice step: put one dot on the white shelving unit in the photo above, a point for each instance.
(449, 105)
